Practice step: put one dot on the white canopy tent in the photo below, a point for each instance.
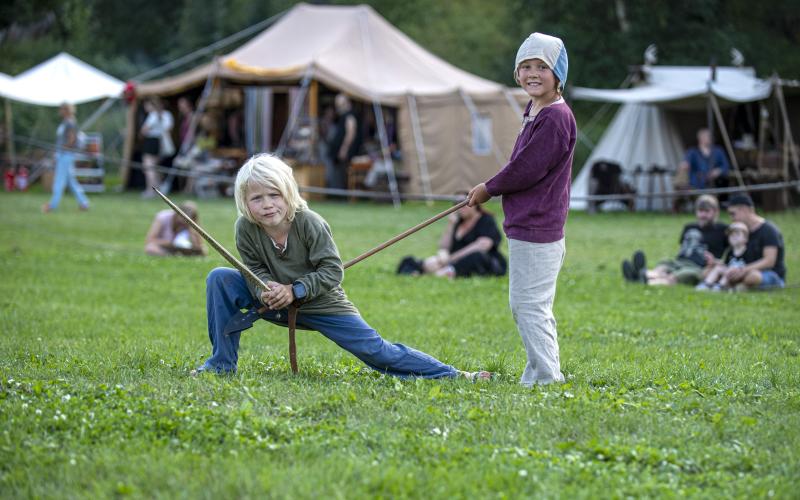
(62, 78)
(5, 83)
(644, 132)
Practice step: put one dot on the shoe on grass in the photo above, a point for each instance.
(628, 272)
(480, 376)
(639, 262)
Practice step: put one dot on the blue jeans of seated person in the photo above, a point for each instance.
(64, 177)
(227, 294)
(770, 279)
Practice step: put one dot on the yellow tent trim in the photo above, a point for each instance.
(255, 70)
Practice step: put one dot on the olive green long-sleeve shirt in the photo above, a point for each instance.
(310, 257)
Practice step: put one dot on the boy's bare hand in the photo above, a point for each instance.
(278, 297)
(478, 194)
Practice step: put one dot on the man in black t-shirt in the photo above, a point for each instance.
(764, 255)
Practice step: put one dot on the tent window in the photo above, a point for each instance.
(482, 134)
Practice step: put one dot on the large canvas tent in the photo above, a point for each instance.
(454, 129)
(654, 124)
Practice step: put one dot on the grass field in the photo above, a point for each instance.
(670, 392)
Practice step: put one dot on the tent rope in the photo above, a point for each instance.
(160, 70)
(410, 196)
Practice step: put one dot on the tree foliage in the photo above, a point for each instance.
(127, 38)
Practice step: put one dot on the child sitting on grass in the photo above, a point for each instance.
(716, 277)
(291, 248)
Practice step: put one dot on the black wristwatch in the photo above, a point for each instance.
(299, 290)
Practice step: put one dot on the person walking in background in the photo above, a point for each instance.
(156, 130)
(66, 142)
(535, 185)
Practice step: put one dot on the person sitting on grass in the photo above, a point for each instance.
(764, 267)
(702, 242)
(468, 247)
(170, 235)
(716, 276)
(291, 248)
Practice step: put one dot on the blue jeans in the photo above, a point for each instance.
(227, 294)
(770, 279)
(65, 176)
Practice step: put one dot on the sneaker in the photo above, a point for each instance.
(83, 208)
(480, 376)
(639, 262)
(702, 287)
(46, 209)
(628, 272)
(716, 287)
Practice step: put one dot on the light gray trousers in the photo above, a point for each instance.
(533, 270)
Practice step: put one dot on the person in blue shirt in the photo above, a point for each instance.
(706, 164)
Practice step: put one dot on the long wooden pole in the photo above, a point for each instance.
(248, 274)
(725, 138)
(404, 234)
(252, 277)
(12, 156)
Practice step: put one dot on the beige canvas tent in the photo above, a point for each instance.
(455, 129)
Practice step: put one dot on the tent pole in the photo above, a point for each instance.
(201, 107)
(313, 114)
(724, 133)
(513, 103)
(378, 110)
(130, 139)
(12, 156)
(186, 143)
(422, 161)
(97, 114)
(787, 130)
(288, 131)
(763, 124)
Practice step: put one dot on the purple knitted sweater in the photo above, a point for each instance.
(536, 181)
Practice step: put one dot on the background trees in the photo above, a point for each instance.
(603, 37)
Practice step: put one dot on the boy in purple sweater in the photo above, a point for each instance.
(535, 187)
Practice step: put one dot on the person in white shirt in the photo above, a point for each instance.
(157, 134)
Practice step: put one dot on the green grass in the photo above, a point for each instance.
(670, 392)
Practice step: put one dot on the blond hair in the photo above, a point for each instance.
(271, 172)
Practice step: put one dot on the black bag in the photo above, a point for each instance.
(409, 265)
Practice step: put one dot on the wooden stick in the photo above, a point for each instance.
(405, 233)
(246, 272)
